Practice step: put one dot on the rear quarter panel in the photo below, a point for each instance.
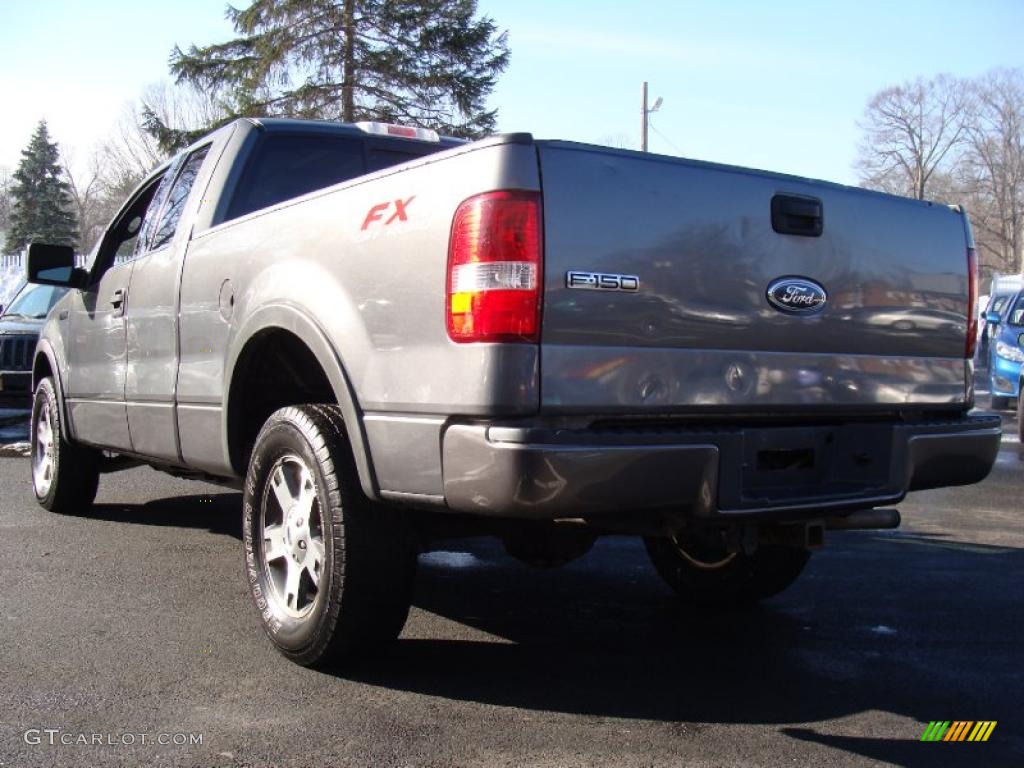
(375, 286)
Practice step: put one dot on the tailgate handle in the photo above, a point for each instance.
(792, 215)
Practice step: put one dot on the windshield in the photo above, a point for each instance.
(1016, 316)
(998, 302)
(35, 301)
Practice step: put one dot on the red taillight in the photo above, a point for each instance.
(494, 268)
(972, 303)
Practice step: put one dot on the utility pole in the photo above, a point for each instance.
(643, 120)
(644, 113)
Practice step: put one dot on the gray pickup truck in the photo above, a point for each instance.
(387, 338)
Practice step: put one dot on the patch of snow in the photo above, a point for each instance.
(16, 449)
(11, 278)
(881, 629)
(451, 559)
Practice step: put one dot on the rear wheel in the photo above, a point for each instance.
(705, 574)
(330, 572)
(65, 475)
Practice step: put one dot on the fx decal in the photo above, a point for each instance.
(377, 212)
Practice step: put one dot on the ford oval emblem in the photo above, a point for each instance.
(796, 295)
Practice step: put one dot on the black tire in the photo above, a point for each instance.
(708, 578)
(74, 470)
(1000, 403)
(365, 577)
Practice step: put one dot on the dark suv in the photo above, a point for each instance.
(20, 324)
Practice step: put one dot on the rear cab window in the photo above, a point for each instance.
(283, 166)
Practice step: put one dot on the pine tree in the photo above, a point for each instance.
(42, 210)
(430, 63)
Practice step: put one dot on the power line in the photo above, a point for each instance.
(668, 141)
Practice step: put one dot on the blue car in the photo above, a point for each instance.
(1006, 352)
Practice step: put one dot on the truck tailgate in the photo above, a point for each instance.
(699, 331)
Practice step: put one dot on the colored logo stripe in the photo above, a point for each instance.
(958, 730)
(982, 730)
(935, 730)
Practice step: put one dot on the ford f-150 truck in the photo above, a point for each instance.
(385, 337)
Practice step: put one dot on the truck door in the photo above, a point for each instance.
(152, 316)
(96, 349)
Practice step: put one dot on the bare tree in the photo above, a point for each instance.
(175, 115)
(129, 152)
(618, 140)
(111, 171)
(992, 167)
(909, 133)
(86, 194)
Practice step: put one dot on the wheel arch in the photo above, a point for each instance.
(293, 321)
(45, 363)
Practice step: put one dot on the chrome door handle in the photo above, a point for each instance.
(117, 299)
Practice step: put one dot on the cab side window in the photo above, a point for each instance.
(174, 206)
(120, 242)
(154, 209)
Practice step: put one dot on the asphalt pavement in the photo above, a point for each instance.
(132, 624)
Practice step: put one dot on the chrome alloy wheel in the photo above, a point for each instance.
(44, 461)
(293, 535)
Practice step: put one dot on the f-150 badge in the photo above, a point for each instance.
(796, 295)
(601, 281)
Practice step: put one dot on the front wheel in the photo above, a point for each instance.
(706, 575)
(330, 572)
(65, 475)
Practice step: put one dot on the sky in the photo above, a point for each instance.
(776, 85)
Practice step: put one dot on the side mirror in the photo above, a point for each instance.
(992, 317)
(53, 265)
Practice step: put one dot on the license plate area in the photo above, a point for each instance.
(788, 465)
(785, 459)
